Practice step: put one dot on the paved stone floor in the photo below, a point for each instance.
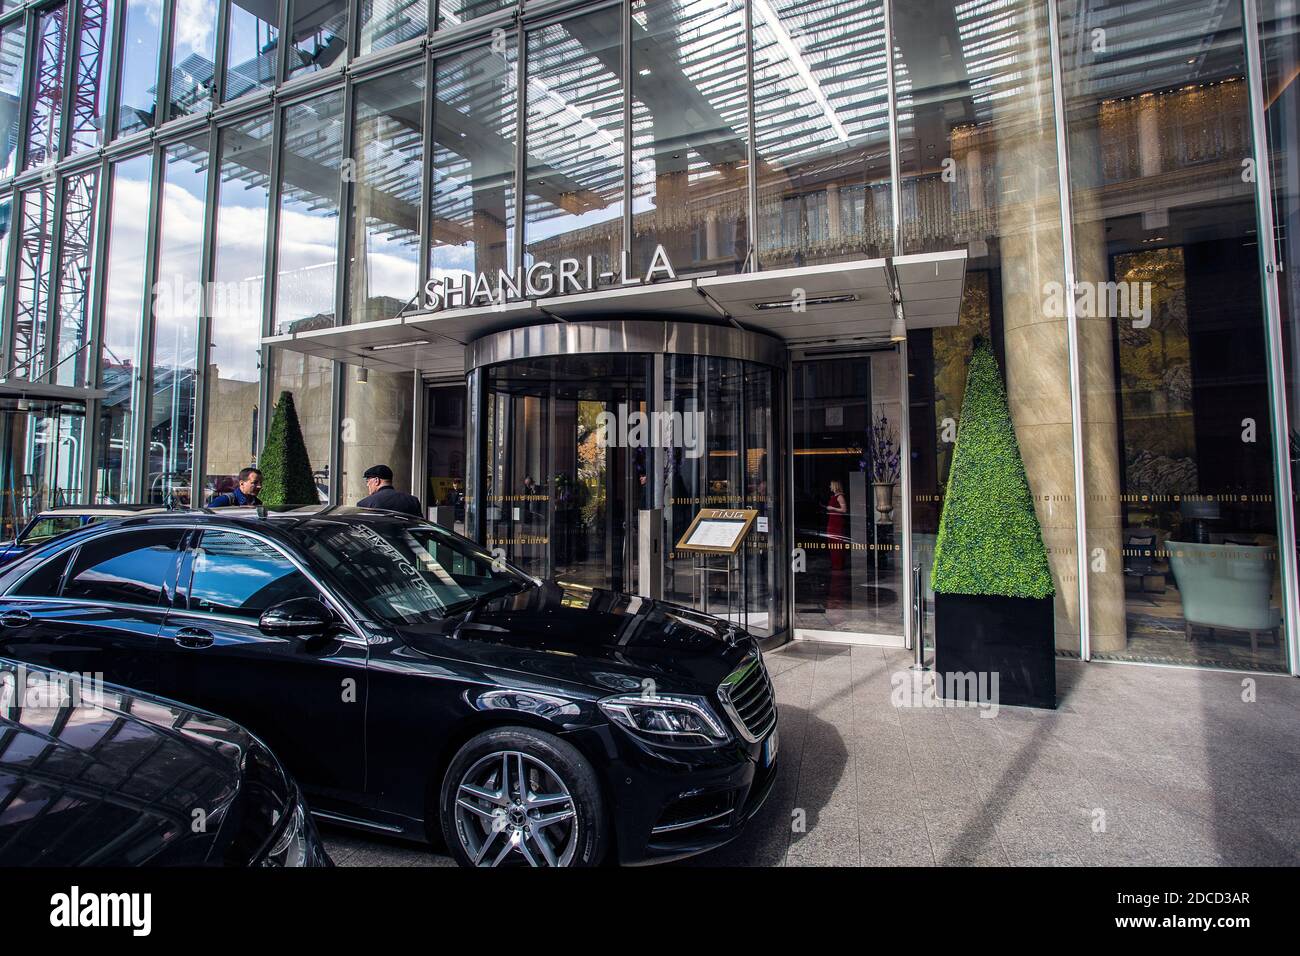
(1138, 765)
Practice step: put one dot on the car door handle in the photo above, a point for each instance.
(15, 618)
(193, 637)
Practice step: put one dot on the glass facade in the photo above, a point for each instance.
(1122, 182)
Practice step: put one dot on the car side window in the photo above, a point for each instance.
(133, 567)
(44, 581)
(239, 575)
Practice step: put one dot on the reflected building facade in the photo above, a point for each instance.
(204, 205)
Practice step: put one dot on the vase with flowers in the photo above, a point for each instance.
(880, 460)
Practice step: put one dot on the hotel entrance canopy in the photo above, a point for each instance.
(842, 303)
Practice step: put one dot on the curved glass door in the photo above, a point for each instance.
(585, 454)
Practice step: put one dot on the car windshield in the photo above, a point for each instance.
(408, 573)
(54, 525)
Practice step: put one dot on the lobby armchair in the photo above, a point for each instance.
(1226, 586)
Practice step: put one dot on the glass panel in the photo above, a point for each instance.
(846, 473)
(575, 141)
(703, 471)
(978, 152)
(12, 48)
(562, 501)
(822, 129)
(765, 566)
(307, 248)
(177, 302)
(124, 307)
(40, 459)
(385, 23)
(689, 133)
(445, 450)
(1179, 465)
(77, 259)
(90, 96)
(252, 46)
(31, 327)
(311, 382)
(45, 580)
(131, 568)
(138, 90)
(7, 205)
(318, 32)
(47, 88)
(473, 162)
(194, 55)
(239, 266)
(239, 575)
(454, 12)
(376, 430)
(1280, 33)
(388, 133)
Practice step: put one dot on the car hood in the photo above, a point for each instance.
(103, 776)
(605, 639)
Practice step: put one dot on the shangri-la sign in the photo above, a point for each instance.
(540, 280)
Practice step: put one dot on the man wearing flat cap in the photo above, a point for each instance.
(379, 482)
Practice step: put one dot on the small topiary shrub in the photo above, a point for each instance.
(286, 469)
(990, 541)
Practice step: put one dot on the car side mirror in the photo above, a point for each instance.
(297, 617)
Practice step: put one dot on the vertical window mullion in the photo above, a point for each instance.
(71, 51)
(31, 23)
(203, 339)
(140, 388)
(269, 286)
(112, 61)
(521, 143)
(162, 102)
(95, 327)
(426, 179)
(223, 42)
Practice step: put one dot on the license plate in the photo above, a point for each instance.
(769, 749)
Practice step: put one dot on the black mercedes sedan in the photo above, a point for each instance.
(97, 775)
(415, 684)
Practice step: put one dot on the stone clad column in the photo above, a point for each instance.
(1037, 342)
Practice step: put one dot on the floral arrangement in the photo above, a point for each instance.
(880, 455)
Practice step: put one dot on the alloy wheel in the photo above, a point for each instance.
(513, 808)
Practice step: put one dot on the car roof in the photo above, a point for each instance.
(111, 511)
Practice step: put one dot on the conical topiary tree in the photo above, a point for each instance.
(990, 541)
(286, 469)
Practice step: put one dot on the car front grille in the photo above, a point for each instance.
(749, 700)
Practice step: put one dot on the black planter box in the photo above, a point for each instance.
(983, 634)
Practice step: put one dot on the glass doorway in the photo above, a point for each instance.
(558, 493)
(41, 463)
(848, 558)
(593, 466)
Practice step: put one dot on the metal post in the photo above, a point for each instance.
(751, 148)
(1072, 326)
(895, 163)
(1269, 269)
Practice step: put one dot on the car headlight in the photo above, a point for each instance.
(671, 720)
(290, 847)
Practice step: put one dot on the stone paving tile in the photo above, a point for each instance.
(1138, 766)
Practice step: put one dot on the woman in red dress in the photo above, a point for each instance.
(837, 510)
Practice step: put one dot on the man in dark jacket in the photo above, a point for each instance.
(379, 482)
(243, 495)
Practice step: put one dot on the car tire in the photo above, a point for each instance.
(556, 819)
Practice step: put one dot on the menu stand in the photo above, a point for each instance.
(719, 533)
